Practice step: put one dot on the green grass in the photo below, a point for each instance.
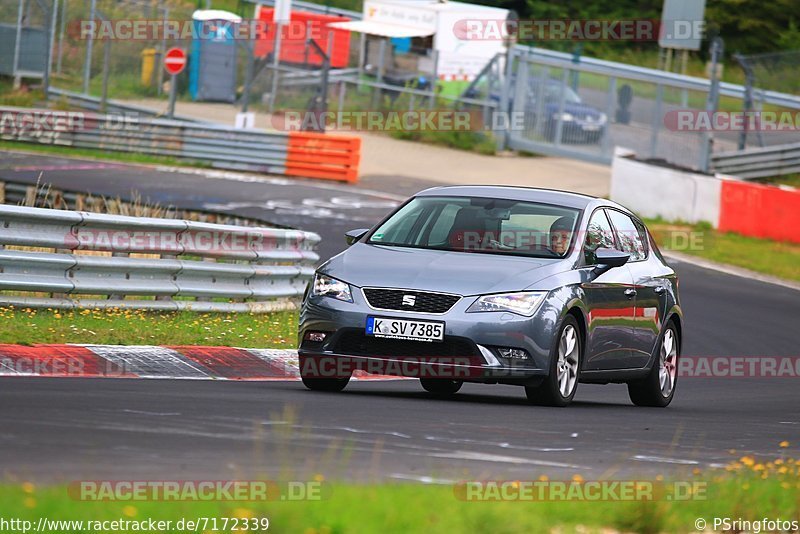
(92, 153)
(792, 180)
(388, 508)
(121, 327)
(23, 97)
(761, 255)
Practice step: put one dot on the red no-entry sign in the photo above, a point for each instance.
(175, 61)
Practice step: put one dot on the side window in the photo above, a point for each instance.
(628, 235)
(598, 235)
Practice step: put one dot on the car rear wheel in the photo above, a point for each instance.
(440, 386)
(558, 389)
(658, 388)
(325, 384)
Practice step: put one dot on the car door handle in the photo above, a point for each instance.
(630, 293)
(660, 290)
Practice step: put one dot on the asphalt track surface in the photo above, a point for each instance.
(69, 428)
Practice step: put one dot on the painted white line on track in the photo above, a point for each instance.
(730, 270)
(664, 460)
(498, 458)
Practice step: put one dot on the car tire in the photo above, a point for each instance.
(325, 384)
(559, 387)
(658, 388)
(440, 386)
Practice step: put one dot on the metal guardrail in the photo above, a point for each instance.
(759, 162)
(175, 264)
(633, 72)
(45, 195)
(93, 103)
(304, 154)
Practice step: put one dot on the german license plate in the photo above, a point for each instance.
(429, 331)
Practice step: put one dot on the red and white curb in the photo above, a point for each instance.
(144, 361)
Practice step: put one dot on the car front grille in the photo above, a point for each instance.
(401, 300)
(355, 343)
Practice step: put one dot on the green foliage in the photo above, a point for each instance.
(748, 27)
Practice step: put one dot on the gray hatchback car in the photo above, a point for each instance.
(499, 285)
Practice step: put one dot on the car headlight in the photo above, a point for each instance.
(523, 303)
(565, 117)
(325, 286)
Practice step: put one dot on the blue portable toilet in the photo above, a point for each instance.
(212, 63)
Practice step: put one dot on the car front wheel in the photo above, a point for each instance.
(325, 384)
(658, 388)
(558, 389)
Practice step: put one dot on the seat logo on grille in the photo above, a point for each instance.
(409, 300)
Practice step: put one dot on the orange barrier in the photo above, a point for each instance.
(760, 211)
(317, 155)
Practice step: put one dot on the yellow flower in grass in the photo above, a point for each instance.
(29, 502)
(130, 511)
(242, 513)
(783, 444)
(577, 478)
(747, 460)
(28, 487)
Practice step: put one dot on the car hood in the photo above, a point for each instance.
(463, 273)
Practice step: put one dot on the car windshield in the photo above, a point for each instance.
(482, 225)
(554, 90)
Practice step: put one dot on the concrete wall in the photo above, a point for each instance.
(674, 195)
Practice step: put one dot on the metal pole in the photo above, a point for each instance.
(276, 51)
(61, 37)
(362, 57)
(505, 96)
(51, 37)
(248, 77)
(163, 50)
(717, 48)
(610, 110)
(106, 60)
(87, 63)
(561, 104)
(17, 43)
(173, 94)
(657, 120)
(435, 79)
(377, 91)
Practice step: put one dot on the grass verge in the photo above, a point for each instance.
(749, 492)
(74, 152)
(765, 256)
(125, 327)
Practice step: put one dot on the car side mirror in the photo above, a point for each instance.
(608, 258)
(353, 236)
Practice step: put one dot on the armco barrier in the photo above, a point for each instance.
(313, 155)
(672, 194)
(729, 204)
(173, 264)
(329, 157)
(760, 211)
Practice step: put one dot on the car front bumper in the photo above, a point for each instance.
(468, 353)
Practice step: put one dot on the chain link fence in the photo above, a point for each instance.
(775, 72)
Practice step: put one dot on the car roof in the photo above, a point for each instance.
(508, 192)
